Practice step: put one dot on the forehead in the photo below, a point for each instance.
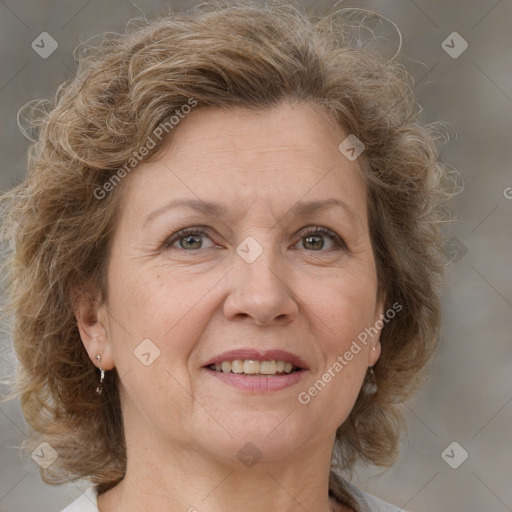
(288, 129)
(237, 156)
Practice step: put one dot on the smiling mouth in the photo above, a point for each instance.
(255, 368)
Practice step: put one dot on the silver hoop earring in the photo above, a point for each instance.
(99, 389)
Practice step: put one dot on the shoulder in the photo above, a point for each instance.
(87, 502)
(360, 501)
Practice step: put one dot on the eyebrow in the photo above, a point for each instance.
(215, 209)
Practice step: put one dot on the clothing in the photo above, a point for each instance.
(340, 489)
(359, 501)
(88, 502)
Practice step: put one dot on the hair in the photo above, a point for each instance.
(221, 56)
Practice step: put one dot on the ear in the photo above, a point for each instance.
(92, 320)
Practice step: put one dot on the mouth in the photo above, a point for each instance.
(253, 363)
(255, 368)
(257, 372)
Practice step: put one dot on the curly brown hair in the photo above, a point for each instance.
(222, 56)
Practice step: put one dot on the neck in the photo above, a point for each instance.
(181, 479)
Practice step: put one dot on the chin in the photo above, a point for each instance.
(265, 436)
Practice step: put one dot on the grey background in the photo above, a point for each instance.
(468, 397)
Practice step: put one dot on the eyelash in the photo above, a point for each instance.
(200, 230)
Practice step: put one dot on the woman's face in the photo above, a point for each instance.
(258, 284)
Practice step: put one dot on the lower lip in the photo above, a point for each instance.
(258, 384)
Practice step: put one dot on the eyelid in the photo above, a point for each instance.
(307, 231)
(180, 233)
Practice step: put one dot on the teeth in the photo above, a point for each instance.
(268, 367)
(237, 366)
(251, 367)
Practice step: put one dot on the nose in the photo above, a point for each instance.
(260, 292)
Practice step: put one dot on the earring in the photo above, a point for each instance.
(371, 385)
(372, 381)
(99, 389)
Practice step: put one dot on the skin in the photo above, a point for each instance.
(196, 301)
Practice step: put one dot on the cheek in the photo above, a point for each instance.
(149, 302)
(343, 312)
(346, 306)
(152, 334)
(167, 307)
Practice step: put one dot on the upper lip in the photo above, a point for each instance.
(256, 355)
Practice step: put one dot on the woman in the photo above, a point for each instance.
(226, 266)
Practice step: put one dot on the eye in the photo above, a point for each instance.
(189, 238)
(315, 238)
